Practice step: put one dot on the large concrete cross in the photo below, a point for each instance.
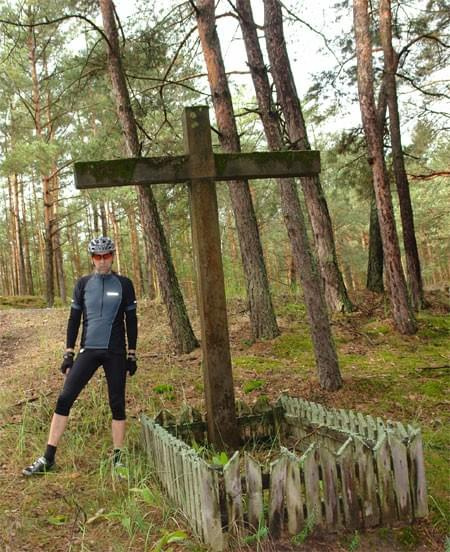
(201, 167)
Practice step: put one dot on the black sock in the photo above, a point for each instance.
(117, 455)
(49, 454)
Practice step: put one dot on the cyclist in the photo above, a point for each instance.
(105, 300)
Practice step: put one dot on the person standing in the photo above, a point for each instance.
(106, 302)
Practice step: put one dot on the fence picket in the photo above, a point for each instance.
(352, 514)
(276, 496)
(210, 507)
(384, 473)
(294, 495)
(401, 479)
(310, 468)
(417, 474)
(333, 518)
(233, 494)
(371, 428)
(367, 483)
(254, 492)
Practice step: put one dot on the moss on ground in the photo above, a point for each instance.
(385, 374)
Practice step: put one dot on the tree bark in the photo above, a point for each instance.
(103, 219)
(401, 310)
(26, 246)
(184, 338)
(406, 212)
(375, 262)
(262, 316)
(17, 235)
(375, 257)
(324, 349)
(116, 236)
(135, 257)
(49, 222)
(335, 293)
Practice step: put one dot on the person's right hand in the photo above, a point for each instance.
(67, 362)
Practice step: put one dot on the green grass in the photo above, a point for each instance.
(257, 364)
(25, 302)
(252, 385)
(82, 505)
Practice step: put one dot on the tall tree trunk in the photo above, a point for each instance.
(324, 349)
(4, 273)
(406, 212)
(57, 249)
(402, 313)
(137, 274)
(46, 184)
(375, 258)
(18, 245)
(74, 247)
(149, 281)
(11, 228)
(116, 235)
(184, 338)
(374, 281)
(39, 235)
(26, 245)
(262, 316)
(95, 219)
(335, 293)
(103, 219)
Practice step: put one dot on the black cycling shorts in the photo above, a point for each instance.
(84, 367)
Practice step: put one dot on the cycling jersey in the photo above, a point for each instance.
(104, 300)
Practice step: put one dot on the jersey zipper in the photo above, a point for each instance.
(103, 294)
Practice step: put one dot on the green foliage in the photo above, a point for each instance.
(253, 385)
(220, 459)
(22, 302)
(169, 538)
(355, 542)
(163, 388)
(261, 534)
(293, 346)
(301, 537)
(258, 364)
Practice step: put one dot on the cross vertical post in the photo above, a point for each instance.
(216, 356)
(202, 168)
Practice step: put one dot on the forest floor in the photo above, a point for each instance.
(81, 507)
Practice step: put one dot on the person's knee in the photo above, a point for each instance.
(63, 405)
(117, 405)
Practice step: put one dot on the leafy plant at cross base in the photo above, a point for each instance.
(169, 538)
(220, 459)
(261, 534)
(301, 537)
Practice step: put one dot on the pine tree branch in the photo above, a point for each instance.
(428, 36)
(422, 90)
(429, 176)
(311, 28)
(56, 20)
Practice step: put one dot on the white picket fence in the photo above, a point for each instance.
(353, 472)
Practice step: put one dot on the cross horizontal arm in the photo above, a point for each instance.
(177, 169)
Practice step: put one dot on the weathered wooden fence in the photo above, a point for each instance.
(344, 470)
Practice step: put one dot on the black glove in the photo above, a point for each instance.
(131, 363)
(67, 362)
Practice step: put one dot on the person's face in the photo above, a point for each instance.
(103, 262)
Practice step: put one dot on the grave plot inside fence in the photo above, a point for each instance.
(334, 469)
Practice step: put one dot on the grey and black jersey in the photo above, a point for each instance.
(106, 301)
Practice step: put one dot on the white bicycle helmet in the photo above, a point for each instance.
(101, 245)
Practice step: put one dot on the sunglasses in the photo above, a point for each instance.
(105, 257)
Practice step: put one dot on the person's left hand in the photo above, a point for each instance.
(131, 363)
